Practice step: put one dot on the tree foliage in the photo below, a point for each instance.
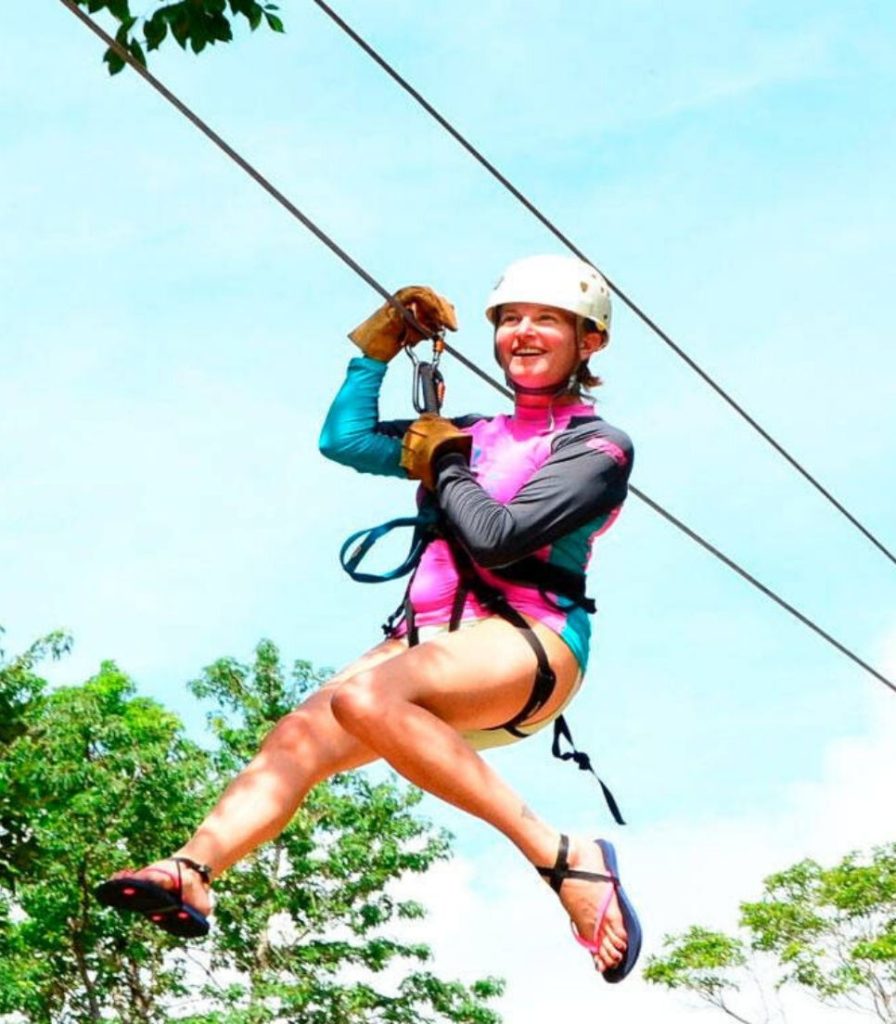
(718, 969)
(190, 23)
(94, 778)
(834, 929)
(830, 932)
(20, 691)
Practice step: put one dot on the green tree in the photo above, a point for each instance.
(20, 689)
(829, 932)
(94, 778)
(719, 970)
(190, 23)
(834, 929)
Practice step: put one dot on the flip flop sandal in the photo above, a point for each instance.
(561, 871)
(164, 907)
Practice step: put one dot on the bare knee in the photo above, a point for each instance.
(356, 706)
(290, 736)
(309, 745)
(308, 732)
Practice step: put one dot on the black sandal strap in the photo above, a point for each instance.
(558, 872)
(561, 869)
(203, 870)
(590, 876)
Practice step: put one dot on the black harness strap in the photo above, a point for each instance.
(492, 599)
(545, 679)
(529, 571)
(457, 607)
(411, 620)
(550, 579)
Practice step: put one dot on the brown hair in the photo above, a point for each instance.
(584, 378)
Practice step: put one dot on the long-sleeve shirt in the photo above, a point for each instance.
(540, 483)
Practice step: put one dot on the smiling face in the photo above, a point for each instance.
(538, 347)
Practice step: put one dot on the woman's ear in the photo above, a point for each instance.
(591, 342)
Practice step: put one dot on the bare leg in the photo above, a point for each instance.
(305, 747)
(410, 710)
(408, 706)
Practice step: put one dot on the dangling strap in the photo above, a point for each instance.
(561, 731)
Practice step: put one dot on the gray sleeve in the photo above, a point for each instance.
(585, 478)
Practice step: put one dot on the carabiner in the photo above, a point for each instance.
(428, 388)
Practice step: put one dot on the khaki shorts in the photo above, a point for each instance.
(485, 739)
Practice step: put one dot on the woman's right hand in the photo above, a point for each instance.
(383, 334)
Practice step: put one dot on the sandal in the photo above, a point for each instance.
(561, 871)
(164, 907)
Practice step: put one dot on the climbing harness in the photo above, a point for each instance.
(430, 524)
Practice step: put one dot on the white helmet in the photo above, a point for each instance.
(560, 281)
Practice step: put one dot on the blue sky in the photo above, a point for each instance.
(170, 341)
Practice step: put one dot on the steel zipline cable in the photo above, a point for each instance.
(358, 269)
(620, 294)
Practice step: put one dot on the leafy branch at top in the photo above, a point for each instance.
(191, 23)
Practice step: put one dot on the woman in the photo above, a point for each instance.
(497, 598)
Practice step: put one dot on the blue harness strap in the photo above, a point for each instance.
(363, 541)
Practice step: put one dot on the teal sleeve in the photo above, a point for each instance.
(352, 434)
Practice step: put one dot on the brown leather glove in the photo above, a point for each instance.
(426, 440)
(385, 333)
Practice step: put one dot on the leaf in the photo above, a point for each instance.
(114, 61)
(137, 52)
(180, 29)
(155, 30)
(219, 28)
(254, 15)
(274, 22)
(119, 9)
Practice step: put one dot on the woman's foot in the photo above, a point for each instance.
(176, 875)
(173, 894)
(591, 902)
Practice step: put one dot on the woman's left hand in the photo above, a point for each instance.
(425, 440)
